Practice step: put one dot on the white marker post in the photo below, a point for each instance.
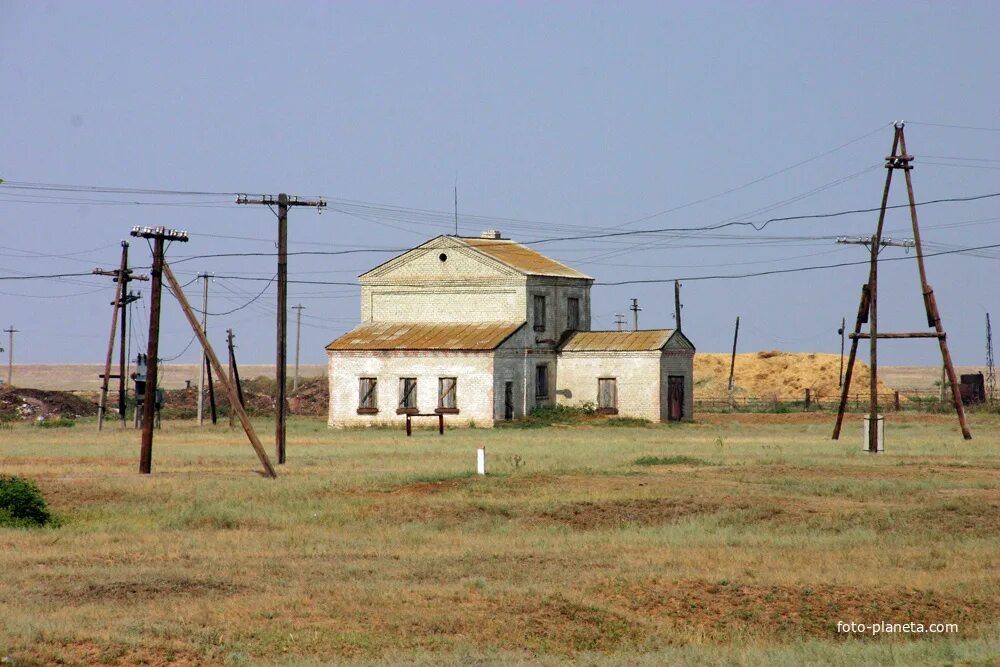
(481, 460)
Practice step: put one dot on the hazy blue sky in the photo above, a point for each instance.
(559, 118)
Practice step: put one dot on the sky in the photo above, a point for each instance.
(553, 120)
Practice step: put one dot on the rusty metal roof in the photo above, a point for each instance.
(522, 258)
(617, 341)
(426, 336)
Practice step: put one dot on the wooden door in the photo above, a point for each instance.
(675, 397)
(508, 401)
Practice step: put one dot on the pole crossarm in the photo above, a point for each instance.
(916, 334)
(272, 200)
(866, 241)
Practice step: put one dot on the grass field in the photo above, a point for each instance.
(740, 539)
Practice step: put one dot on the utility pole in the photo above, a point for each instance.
(901, 160)
(619, 321)
(283, 201)
(203, 364)
(842, 331)
(123, 349)
(298, 336)
(121, 276)
(991, 375)
(677, 303)
(635, 314)
(10, 354)
(732, 362)
(874, 246)
(229, 346)
(159, 235)
(456, 207)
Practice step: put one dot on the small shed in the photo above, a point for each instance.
(647, 374)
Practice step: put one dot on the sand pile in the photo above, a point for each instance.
(778, 375)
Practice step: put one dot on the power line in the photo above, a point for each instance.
(955, 127)
(794, 270)
(46, 276)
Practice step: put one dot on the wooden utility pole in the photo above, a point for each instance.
(635, 314)
(619, 321)
(229, 346)
(991, 374)
(122, 276)
(897, 159)
(732, 361)
(10, 354)
(159, 235)
(677, 303)
(842, 331)
(283, 201)
(211, 397)
(298, 337)
(129, 298)
(214, 360)
(204, 364)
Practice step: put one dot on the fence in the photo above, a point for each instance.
(914, 400)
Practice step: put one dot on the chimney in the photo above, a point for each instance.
(490, 234)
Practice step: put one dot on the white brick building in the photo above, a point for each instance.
(485, 329)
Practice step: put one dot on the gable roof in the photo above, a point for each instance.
(509, 254)
(481, 336)
(648, 340)
(521, 258)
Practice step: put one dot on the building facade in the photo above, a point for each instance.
(484, 330)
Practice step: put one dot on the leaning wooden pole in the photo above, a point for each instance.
(930, 304)
(219, 374)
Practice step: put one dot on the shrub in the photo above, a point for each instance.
(21, 503)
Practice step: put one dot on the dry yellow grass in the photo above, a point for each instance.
(745, 545)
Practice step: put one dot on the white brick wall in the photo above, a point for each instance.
(637, 377)
(474, 388)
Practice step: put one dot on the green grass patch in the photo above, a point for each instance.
(61, 422)
(672, 461)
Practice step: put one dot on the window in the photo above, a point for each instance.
(367, 396)
(446, 395)
(407, 395)
(573, 313)
(607, 396)
(541, 381)
(539, 312)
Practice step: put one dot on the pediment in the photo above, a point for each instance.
(425, 264)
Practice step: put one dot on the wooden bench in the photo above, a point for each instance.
(411, 415)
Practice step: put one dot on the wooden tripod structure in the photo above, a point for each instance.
(868, 308)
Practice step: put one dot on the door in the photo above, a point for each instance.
(675, 397)
(508, 401)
